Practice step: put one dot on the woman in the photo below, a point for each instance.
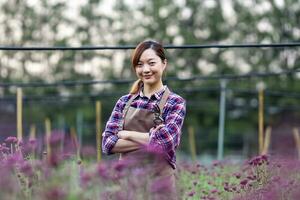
(150, 114)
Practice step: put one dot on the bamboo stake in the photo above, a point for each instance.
(48, 136)
(191, 132)
(32, 133)
(32, 136)
(267, 140)
(98, 129)
(19, 114)
(297, 140)
(261, 120)
(75, 140)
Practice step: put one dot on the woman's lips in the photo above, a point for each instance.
(147, 76)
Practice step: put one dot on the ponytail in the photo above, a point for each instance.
(136, 86)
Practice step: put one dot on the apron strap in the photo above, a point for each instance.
(125, 110)
(163, 100)
(161, 105)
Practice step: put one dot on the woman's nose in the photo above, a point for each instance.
(146, 68)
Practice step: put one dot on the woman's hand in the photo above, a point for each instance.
(123, 135)
(158, 127)
(139, 137)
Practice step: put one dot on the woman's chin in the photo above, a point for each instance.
(149, 81)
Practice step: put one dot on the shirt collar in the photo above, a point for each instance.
(157, 95)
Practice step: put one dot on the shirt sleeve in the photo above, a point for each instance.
(109, 136)
(167, 138)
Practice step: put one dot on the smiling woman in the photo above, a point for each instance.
(148, 62)
(149, 116)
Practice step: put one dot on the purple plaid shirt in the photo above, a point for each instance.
(166, 138)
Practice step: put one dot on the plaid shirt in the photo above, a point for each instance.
(166, 138)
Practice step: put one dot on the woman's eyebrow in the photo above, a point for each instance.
(147, 60)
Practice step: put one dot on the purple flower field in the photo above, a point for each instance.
(60, 174)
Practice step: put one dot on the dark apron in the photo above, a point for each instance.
(141, 120)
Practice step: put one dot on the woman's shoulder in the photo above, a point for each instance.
(175, 98)
(125, 98)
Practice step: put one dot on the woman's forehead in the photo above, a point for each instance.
(148, 54)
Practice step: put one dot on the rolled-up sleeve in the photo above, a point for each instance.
(167, 137)
(109, 136)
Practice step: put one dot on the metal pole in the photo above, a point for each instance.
(98, 129)
(62, 126)
(260, 120)
(192, 142)
(79, 122)
(222, 119)
(19, 113)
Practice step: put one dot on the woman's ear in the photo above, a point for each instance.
(165, 62)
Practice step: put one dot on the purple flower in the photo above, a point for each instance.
(11, 139)
(191, 193)
(213, 191)
(102, 170)
(55, 193)
(244, 182)
(88, 151)
(32, 143)
(85, 178)
(138, 172)
(226, 188)
(275, 179)
(4, 149)
(251, 177)
(161, 185)
(56, 138)
(237, 175)
(20, 142)
(13, 159)
(26, 169)
(120, 165)
(216, 163)
(54, 159)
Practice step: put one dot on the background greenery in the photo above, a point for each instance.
(59, 23)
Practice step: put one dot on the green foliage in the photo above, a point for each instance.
(171, 22)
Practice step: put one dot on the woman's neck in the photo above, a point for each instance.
(151, 89)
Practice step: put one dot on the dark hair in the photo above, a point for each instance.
(140, 48)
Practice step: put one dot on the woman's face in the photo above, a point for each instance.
(150, 67)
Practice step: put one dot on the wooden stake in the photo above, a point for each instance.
(75, 140)
(98, 130)
(297, 140)
(267, 140)
(48, 136)
(32, 136)
(192, 143)
(261, 120)
(19, 113)
(32, 133)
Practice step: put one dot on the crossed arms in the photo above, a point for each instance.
(166, 136)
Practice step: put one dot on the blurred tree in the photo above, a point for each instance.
(58, 23)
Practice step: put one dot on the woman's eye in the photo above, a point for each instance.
(152, 63)
(139, 65)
